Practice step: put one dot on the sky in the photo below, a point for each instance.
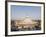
(23, 11)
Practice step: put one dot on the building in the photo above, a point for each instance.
(25, 23)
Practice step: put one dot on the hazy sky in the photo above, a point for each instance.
(23, 11)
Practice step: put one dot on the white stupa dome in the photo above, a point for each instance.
(27, 21)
